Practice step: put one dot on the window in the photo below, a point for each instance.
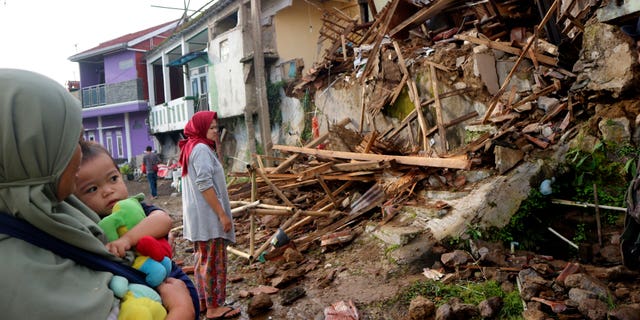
(199, 87)
(224, 50)
(109, 143)
(225, 24)
(119, 144)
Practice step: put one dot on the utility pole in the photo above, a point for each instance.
(260, 81)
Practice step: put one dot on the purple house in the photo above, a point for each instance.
(114, 91)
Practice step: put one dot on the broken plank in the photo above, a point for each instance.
(322, 202)
(274, 212)
(304, 175)
(314, 143)
(538, 142)
(373, 55)
(496, 98)
(421, 16)
(454, 163)
(506, 48)
(326, 189)
(361, 166)
(275, 189)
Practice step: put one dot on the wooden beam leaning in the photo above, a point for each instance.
(415, 97)
(439, 122)
(373, 54)
(496, 97)
(455, 163)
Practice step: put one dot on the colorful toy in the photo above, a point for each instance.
(139, 302)
(154, 255)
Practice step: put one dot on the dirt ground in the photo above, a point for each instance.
(358, 271)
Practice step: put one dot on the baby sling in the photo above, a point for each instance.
(23, 230)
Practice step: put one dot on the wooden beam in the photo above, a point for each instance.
(322, 202)
(421, 16)
(314, 143)
(373, 55)
(326, 189)
(496, 97)
(439, 122)
(274, 188)
(455, 163)
(361, 166)
(414, 96)
(304, 175)
(507, 48)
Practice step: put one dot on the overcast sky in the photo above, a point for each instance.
(40, 35)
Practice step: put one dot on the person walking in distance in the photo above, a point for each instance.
(151, 161)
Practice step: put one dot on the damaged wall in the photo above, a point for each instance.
(608, 62)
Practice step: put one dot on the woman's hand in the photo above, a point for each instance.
(175, 297)
(226, 222)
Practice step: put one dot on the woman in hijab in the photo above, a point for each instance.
(40, 130)
(206, 211)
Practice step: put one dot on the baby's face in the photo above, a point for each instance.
(100, 184)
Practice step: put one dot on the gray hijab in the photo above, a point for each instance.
(40, 124)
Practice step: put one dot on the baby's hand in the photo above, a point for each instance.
(119, 247)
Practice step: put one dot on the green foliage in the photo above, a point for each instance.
(607, 166)
(468, 292)
(474, 231)
(126, 169)
(454, 242)
(274, 100)
(580, 235)
(520, 226)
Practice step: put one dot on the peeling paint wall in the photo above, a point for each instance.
(227, 84)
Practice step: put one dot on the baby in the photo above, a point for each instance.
(100, 186)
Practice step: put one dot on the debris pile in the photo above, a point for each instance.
(548, 287)
(502, 58)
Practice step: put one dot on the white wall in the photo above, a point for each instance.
(227, 81)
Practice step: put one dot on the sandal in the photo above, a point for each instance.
(229, 314)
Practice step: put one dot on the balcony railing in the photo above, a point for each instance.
(94, 96)
(111, 93)
(171, 116)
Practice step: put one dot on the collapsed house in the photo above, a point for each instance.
(444, 93)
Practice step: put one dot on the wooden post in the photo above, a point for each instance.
(439, 122)
(595, 196)
(252, 226)
(414, 96)
(260, 80)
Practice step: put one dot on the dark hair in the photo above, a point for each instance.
(148, 148)
(90, 149)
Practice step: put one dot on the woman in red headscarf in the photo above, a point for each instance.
(206, 212)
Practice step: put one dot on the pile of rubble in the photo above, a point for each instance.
(527, 109)
(508, 59)
(551, 287)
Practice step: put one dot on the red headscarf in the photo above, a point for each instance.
(196, 132)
